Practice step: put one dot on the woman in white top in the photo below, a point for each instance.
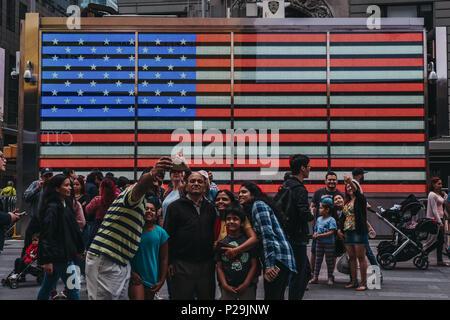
(435, 210)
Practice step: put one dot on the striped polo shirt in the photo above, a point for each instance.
(119, 235)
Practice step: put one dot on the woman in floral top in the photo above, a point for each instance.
(354, 231)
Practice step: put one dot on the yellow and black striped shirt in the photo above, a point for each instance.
(119, 235)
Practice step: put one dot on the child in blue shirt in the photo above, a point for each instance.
(149, 265)
(324, 230)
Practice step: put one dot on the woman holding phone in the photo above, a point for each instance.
(277, 256)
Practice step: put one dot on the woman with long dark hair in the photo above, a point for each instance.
(355, 232)
(435, 211)
(277, 256)
(100, 204)
(225, 199)
(60, 238)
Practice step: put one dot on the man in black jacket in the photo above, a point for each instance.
(190, 225)
(299, 240)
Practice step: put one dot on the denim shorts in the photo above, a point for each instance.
(351, 237)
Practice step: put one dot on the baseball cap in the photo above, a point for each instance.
(46, 171)
(204, 173)
(358, 171)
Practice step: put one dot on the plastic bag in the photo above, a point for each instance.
(343, 264)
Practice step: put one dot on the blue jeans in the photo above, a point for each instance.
(49, 282)
(369, 253)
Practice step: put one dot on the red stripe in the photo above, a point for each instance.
(215, 87)
(280, 87)
(377, 137)
(377, 62)
(376, 37)
(278, 37)
(86, 137)
(211, 37)
(87, 163)
(254, 63)
(378, 112)
(279, 112)
(213, 62)
(283, 137)
(376, 87)
(378, 163)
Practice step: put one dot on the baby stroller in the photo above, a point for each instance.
(408, 235)
(16, 276)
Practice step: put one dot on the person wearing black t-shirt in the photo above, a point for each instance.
(329, 191)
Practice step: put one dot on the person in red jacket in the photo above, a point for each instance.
(100, 204)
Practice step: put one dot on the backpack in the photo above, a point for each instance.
(286, 214)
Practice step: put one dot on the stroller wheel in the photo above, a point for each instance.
(421, 263)
(387, 261)
(13, 284)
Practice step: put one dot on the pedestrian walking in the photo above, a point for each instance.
(118, 238)
(435, 211)
(236, 275)
(355, 232)
(33, 196)
(149, 265)
(9, 190)
(6, 218)
(92, 185)
(100, 205)
(324, 230)
(276, 252)
(60, 238)
(329, 192)
(190, 224)
(298, 239)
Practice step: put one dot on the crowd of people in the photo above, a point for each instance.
(129, 239)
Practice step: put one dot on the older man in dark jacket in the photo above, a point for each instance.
(190, 225)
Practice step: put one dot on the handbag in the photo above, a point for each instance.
(343, 264)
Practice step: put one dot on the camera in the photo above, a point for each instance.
(14, 74)
(27, 76)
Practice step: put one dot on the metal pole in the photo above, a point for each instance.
(203, 8)
(32, 5)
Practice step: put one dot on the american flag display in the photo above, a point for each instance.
(104, 93)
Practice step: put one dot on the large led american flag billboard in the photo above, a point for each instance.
(113, 101)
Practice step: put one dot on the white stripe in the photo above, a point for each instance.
(181, 124)
(204, 50)
(377, 99)
(377, 125)
(281, 125)
(280, 100)
(358, 50)
(279, 50)
(86, 150)
(213, 100)
(213, 75)
(377, 75)
(280, 75)
(377, 150)
(87, 125)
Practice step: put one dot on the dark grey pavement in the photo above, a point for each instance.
(405, 282)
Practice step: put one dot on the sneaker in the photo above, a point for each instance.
(158, 297)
